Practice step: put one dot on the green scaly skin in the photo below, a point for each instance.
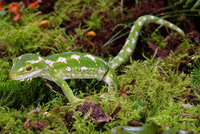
(74, 65)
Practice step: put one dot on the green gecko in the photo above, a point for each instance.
(74, 65)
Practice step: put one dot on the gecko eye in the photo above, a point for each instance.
(28, 68)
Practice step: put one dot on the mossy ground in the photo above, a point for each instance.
(152, 90)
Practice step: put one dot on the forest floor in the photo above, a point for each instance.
(158, 87)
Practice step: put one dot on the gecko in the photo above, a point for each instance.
(76, 65)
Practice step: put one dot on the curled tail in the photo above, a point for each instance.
(131, 42)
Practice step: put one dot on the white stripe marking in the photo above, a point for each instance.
(144, 18)
(68, 69)
(76, 57)
(139, 23)
(136, 34)
(132, 29)
(20, 57)
(152, 17)
(86, 75)
(127, 41)
(121, 51)
(120, 58)
(90, 57)
(170, 24)
(84, 68)
(35, 61)
(61, 59)
(101, 71)
(103, 61)
(31, 75)
(113, 65)
(160, 21)
(49, 62)
(128, 50)
(66, 78)
(20, 69)
(179, 30)
(133, 41)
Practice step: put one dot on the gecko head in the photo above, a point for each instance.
(26, 66)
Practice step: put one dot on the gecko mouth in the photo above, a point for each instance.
(22, 77)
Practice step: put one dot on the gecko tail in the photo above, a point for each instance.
(131, 42)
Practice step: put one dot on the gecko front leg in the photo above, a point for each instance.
(111, 79)
(66, 89)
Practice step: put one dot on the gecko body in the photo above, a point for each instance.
(75, 65)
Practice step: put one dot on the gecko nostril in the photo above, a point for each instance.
(11, 76)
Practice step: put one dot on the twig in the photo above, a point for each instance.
(48, 85)
(116, 110)
(189, 115)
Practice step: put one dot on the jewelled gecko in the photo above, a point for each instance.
(75, 65)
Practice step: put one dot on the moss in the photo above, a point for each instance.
(16, 94)
(28, 36)
(158, 90)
